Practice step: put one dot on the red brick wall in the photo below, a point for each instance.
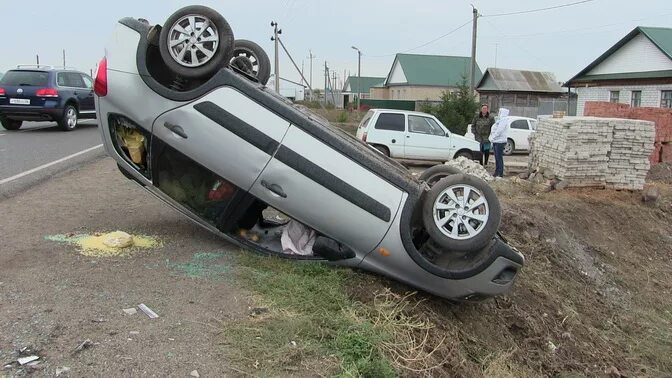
(662, 118)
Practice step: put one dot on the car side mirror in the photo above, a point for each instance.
(447, 135)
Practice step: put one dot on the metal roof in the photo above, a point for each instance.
(660, 37)
(362, 84)
(506, 80)
(434, 70)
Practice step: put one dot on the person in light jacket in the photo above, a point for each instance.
(498, 138)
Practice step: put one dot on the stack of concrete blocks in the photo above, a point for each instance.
(594, 152)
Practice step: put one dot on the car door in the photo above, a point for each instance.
(519, 130)
(389, 131)
(426, 139)
(325, 189)
(87, 103)
(224, 132)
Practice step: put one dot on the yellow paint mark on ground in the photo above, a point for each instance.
(95, 246)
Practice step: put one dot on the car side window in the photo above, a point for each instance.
(391, 121)
(520, 124)
(424, 125)
(88, 82)
(61, 80)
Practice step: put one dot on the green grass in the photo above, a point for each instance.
(311, 323)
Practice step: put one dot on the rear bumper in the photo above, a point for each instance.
(30, 113)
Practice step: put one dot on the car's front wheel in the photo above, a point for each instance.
(10, 124)
(509, 147)
(70, 118)
(461, 213)
(195, 42)
(250, 58)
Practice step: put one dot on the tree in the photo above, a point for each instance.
(456, 109)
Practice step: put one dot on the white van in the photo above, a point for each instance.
(413, 135)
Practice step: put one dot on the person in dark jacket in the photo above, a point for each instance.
(481, 126)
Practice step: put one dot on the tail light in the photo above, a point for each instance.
(46, 92)
(364, 136)
(2, 91)
(100, 86)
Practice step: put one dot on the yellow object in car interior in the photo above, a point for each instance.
(135, 143)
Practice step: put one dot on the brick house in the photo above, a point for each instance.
(636, 71)
(423, 77)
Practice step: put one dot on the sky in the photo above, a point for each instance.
(562, 41)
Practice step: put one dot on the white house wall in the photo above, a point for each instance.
(650, 94)
(638, 55)
(398, 76)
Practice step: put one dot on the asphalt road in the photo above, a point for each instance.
(46, 150)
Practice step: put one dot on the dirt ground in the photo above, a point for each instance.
(593, 298)
(52, 298)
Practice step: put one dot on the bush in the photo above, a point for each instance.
(456, 109)
(342, 117)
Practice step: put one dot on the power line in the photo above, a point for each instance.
(538, 9)
(424, 44)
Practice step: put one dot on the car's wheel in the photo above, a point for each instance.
(251, 59)
(466, 154)
(509, 147)
(195, 42)
(68, 121)
(461, 213)
(432, 175)
(10, 124)
(383, 150)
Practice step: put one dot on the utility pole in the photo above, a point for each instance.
(333, 88)
(38, 60)
(63, 58)
(326, 76)
(359, 75)
(496, 46)
(311, 57)
(472, 69)
(276, 32)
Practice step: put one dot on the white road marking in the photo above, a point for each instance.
(44, 166)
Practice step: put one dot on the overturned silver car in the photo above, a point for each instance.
(184, 111)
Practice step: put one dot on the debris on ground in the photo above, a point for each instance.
(650, 194)
(194, 373)
(256, 311)
(130, 311)
(28, 359)
(62, 370)
(151, 314)
(470, 167)
(117, 243)
(83, 345)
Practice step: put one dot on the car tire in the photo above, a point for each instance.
(69, 119)
(466, 154)
(191, 60)
(250, 58)
(10, 124)
(432, 175)
(383, 150)
(446, 216)
(509, 147)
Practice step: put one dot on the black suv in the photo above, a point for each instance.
(45, 93)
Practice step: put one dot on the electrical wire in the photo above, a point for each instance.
(537, 10)
(424, 44)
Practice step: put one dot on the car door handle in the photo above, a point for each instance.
(274, 188)
(177, 129)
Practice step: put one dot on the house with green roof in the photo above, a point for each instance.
(359, 84)
(423, 77)
(637, 70)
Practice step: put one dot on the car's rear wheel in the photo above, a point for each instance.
(383, 150)
(251, 59)
(461, 213)
(509, 147)
(10, 124)
(70, 118)
(432, 175)
(466, 154)
(195, 42)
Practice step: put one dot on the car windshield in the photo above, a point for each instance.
(25, 78)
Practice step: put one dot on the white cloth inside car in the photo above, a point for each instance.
(297, 239)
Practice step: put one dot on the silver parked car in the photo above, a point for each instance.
(184, 112)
